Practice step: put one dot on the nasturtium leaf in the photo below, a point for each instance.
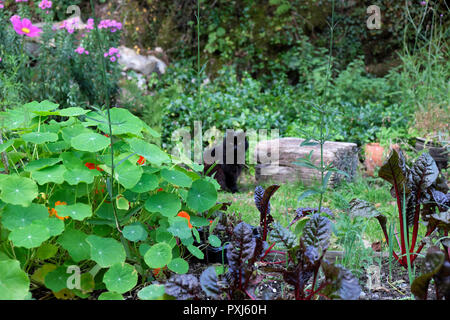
(56, 280)
(41, 164)
(122, 122)
(72, 112)
(150, 170)
(148, 182)
(179, 228)
(72, 131)
(168, 204)
(199, 221)
(53, 225)
(151, 131)
(176, 178)
(42, 107)
(58, 146)
(74, 177)
(78, 211)
(178, 265)
(201, 196)
(106, 251)
(18, 190)
(122, 203)
(152, 292)
(46, 251)
(91, 142)
(40, 137)
(149, 151)
(15, 217)
(14, 282)
(158, 255)
(50, 174)
(135, 232)
(214, 241)
(74, 241)
(29, 237)
(128, 174)
(196, 251)
(120, 278)
(110, 296)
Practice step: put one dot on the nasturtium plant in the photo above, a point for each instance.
(106, 202)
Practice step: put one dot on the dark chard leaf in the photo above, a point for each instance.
(340, 283)
(210, 283)
(442, 280)
(317, 232)
(441, 199)
(262, 202)
(440, 220)
(434, 260)
(240, 250)
(283, 236)
(303, 212)
(361, 208)
(183, 286)
(424, 172)
(395, 171)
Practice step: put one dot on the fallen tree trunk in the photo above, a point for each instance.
(343, 156)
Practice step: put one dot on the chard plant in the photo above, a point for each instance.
(421, 194)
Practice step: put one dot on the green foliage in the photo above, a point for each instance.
(71, 203)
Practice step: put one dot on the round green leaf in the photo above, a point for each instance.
(46, 251)
(120, 278)
(135, 232)
(40, 137)
(51, 174)
(128, 174)
(168, 204)
(78, 211)
(151, 292)
(29, 237)
(202, 195)
(106, 251)
(15, 217)
(91, 142)
(176, 178)
(56, 280)
(179, 228)
(18, 190)
(74, 177)
(74, 241)
(149, 151)
(14, 282)
(122, 122)
(148, 182)
(53, 225)
(158, 255)
(110, 296)
(179, 266)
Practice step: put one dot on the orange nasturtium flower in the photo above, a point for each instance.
(93, 166)
(141, 160)
(53, 212)
(185, 215)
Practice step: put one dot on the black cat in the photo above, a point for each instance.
(227, 171)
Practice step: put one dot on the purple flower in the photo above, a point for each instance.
(24, 27)
(79, 50)
(423, 3)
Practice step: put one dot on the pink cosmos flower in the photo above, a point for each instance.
(79, 50)
(24, 27)
(1, 4)
(21, 0)
(45, 4)
(113, 59)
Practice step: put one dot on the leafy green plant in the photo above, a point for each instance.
(63, 205)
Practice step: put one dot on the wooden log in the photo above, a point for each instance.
(281, 168)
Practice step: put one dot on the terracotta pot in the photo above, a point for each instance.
(374, 157)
